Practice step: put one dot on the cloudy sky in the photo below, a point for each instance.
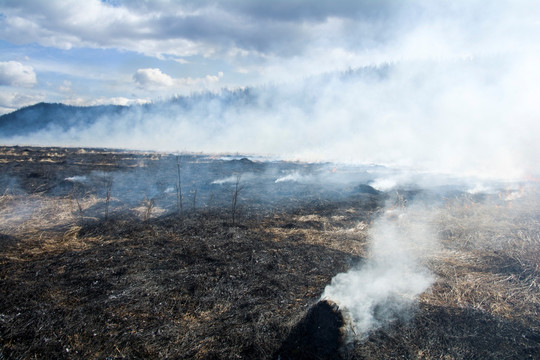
(116, 51)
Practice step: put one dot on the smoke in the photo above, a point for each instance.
(462, 117)
(295, 177)
(446, 87)
(384, 288)
(234, 178)
(77, 179)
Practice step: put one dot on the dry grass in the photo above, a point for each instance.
(147, 285)
(490, 259)
(162, 288)
(485, 302)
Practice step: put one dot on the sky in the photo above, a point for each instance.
(121, 52)
(465, 72)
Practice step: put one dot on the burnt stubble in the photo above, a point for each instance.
(90, 270)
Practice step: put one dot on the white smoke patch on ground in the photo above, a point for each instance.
(384, 184)
(77, 178)
(480, 188)
(295, 177)
(385, 287)
(228, 180)
(87, 179)
(234, 178)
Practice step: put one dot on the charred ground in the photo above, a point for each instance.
(98, 261)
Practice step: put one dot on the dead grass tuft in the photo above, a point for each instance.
(490, 260)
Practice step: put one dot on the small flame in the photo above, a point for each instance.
(512, 194)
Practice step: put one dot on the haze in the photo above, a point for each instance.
(454, 92)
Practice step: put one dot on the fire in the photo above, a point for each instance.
(512, 194)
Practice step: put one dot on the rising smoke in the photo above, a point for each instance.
(384, 287)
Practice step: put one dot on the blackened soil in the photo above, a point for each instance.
(167, 288)
(319, 335)
(438, 332)
(198, 285)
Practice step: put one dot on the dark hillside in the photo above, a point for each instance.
(203, 106)
(43, 115)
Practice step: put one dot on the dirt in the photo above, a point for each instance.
(149, 281)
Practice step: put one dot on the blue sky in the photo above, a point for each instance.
(93, 52)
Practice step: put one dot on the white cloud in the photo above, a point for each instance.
(65, 87)
(298, 37)
(181, 61)
(155, 79)
(13, 73)
(152, 78)
(76, 101)
(214, 78)
(11, 101)
(66, 24)
(83, 101)
(120, 101)
(185, 28)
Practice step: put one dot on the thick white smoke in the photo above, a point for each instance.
(386, 285)
(472, 118)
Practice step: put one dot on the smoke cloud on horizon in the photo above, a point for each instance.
(447, 87)
(469, 117)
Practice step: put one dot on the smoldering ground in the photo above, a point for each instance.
(152, 283)
(385, 286)
(122, 180)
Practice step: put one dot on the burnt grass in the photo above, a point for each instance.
(195, 285)
(162, 289)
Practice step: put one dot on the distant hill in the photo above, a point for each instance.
(60, 117)
(47, 116)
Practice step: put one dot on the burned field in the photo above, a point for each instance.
(120, 255)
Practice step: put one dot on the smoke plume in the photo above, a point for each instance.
(384, 288)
